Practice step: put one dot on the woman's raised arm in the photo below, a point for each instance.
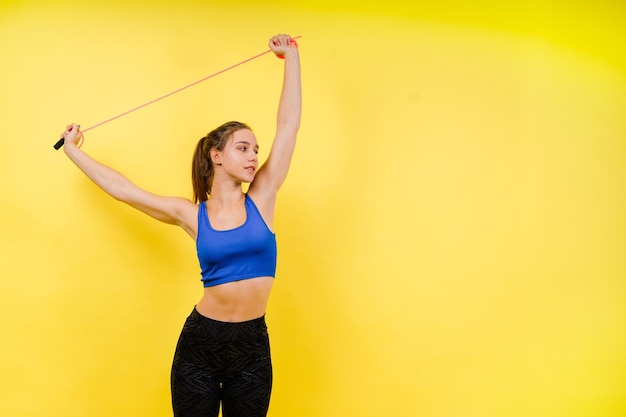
(272, 174)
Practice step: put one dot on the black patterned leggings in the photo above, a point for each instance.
(222, 362)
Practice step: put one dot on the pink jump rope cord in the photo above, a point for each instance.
(82, 138)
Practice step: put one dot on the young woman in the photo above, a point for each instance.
(223, 353)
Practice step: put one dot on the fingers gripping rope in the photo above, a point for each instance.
(69, 129)
(61, 141)
(293, 42)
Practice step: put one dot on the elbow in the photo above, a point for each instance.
(290, 126)
(120, 191)
(117, 195)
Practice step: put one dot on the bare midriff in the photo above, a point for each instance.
(236, 301)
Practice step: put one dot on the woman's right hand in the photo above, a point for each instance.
(72, 135)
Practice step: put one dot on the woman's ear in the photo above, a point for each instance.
(216, 157)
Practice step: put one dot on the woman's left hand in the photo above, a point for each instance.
(282, 44)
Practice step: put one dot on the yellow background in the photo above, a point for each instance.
(451, 236)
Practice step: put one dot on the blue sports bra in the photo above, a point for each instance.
(247, 251)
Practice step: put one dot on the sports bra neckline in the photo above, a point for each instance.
(208, 219)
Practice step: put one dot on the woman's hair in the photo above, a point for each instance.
(202, 165)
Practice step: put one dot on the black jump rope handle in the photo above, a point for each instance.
(60, 143)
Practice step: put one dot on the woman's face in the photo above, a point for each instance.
(239, 158)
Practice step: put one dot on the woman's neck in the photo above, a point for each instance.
(226, 196)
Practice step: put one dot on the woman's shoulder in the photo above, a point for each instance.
(186, 214)
(264, 205)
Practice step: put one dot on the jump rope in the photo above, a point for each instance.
(61, 141)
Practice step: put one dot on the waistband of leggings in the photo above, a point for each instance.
(230, 330)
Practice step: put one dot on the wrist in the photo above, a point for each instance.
(69, 147)
(291, 53)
